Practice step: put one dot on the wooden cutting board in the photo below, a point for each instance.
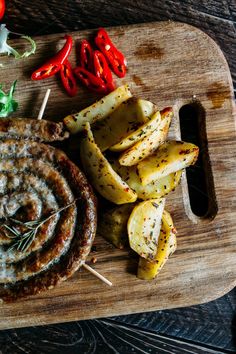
(171, 64)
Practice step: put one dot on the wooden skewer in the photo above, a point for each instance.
(98, 275)
(43, 106)
(86, 266)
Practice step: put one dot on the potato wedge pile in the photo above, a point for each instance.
(126, 156)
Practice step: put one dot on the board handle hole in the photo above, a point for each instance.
(199, 177)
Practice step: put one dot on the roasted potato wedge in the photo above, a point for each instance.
(117, 125)
(99, 171)
(166, 242)
(145, 110)
(148, 144)
(99, 110)
(171, 156)
(121, 123)
(142, 132)
(156, 189)
(112, 225)
(148, 270)
(144, 226)
(172, 242)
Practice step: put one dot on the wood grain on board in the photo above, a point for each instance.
(170, 64)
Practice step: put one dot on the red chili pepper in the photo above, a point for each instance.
(114, 57)
(2, 8)
(68, 79)
(53, 65)
(91, 81)
(102, 70)
(86, 55)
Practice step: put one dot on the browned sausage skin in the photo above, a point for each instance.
(33, 129)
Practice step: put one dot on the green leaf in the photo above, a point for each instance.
(7, 103)
(27, 53)
(5, 48)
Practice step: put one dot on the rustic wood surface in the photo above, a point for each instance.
(209, 324)
(167, 71)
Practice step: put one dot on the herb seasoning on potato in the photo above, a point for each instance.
(127, 157)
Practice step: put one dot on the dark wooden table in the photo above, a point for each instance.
(208, 328)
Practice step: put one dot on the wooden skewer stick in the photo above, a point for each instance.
(43, 106)
(98, 275)
(86, 266)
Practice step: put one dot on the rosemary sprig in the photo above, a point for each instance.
(22, 241)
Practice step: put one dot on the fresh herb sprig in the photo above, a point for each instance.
(7, 102)
(22, 241)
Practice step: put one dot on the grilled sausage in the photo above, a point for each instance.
(36, 180)
(26, 128)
